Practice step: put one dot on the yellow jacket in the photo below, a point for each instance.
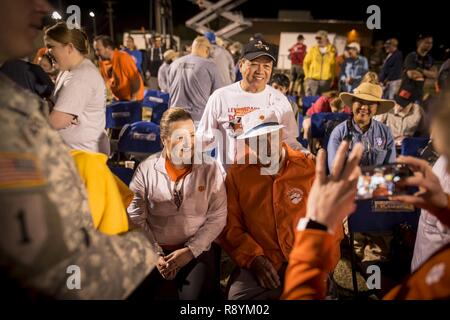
(108, 196)
(318, 66)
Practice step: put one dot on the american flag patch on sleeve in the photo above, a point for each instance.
(19, 170)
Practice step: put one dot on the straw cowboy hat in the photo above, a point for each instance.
(259, 122)
(368, 92)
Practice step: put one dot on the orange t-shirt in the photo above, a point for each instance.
(174, 173)
(119, 73)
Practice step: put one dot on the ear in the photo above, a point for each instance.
(70, 48)
(241, 64)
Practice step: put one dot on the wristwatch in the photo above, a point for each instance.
(308, 223)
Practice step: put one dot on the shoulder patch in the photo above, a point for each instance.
(19, 170)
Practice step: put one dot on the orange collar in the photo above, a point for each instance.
(174, 173)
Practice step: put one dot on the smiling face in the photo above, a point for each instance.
(256, 73)
(130, 43)
(60, 52)
(180, 142)
(104, 53)
(363, 111)
(20, 22)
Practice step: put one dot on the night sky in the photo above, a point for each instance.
(404, 20)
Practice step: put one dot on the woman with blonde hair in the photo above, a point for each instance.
(370, 77)
(80, 99)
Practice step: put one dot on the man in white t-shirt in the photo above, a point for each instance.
(220, 123)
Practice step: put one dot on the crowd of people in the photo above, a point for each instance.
(265, 201)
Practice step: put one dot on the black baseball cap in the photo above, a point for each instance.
(258, 48)
(402, 99)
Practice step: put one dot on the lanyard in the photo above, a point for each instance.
(178, 193)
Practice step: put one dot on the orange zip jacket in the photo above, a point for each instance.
(310, 261)
(264, 210)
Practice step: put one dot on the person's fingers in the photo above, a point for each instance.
(273, 272)
(354, 176)
(339, 160)
(415, 164)
(321, 167)
(170, 256)
(276, 279)
(261, 281)
(416, 181)
(162, 263)
(353, 161)
(171, 265)
(268, 282)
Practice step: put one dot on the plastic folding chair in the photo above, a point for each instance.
(307, 102)
(158, 102)
(321, 123)
(303, 142)
(378, 216)
(140, 139)
(412, 146)
(121, 113)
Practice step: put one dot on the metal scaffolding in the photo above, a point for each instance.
(214, 10)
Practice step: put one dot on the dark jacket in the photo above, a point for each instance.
(392, 67)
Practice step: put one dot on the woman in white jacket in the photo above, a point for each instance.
(182, 206)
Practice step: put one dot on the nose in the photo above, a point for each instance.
(364, 107)
(260, 69)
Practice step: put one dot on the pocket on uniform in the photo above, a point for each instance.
(380, 156)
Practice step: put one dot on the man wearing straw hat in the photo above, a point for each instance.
(266, 197)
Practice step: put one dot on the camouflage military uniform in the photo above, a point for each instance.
(45, 224)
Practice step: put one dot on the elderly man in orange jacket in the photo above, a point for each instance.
(267, 195)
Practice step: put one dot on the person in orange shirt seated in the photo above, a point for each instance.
(332, 199)
(266, 197)
(119, 70)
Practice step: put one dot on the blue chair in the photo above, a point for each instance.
(121, 113)
(124, 174)
(158, 101)
(140, 139)
(412, 146)
(378, 216)
(307, 102)
(292, 98)
(300, 139)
